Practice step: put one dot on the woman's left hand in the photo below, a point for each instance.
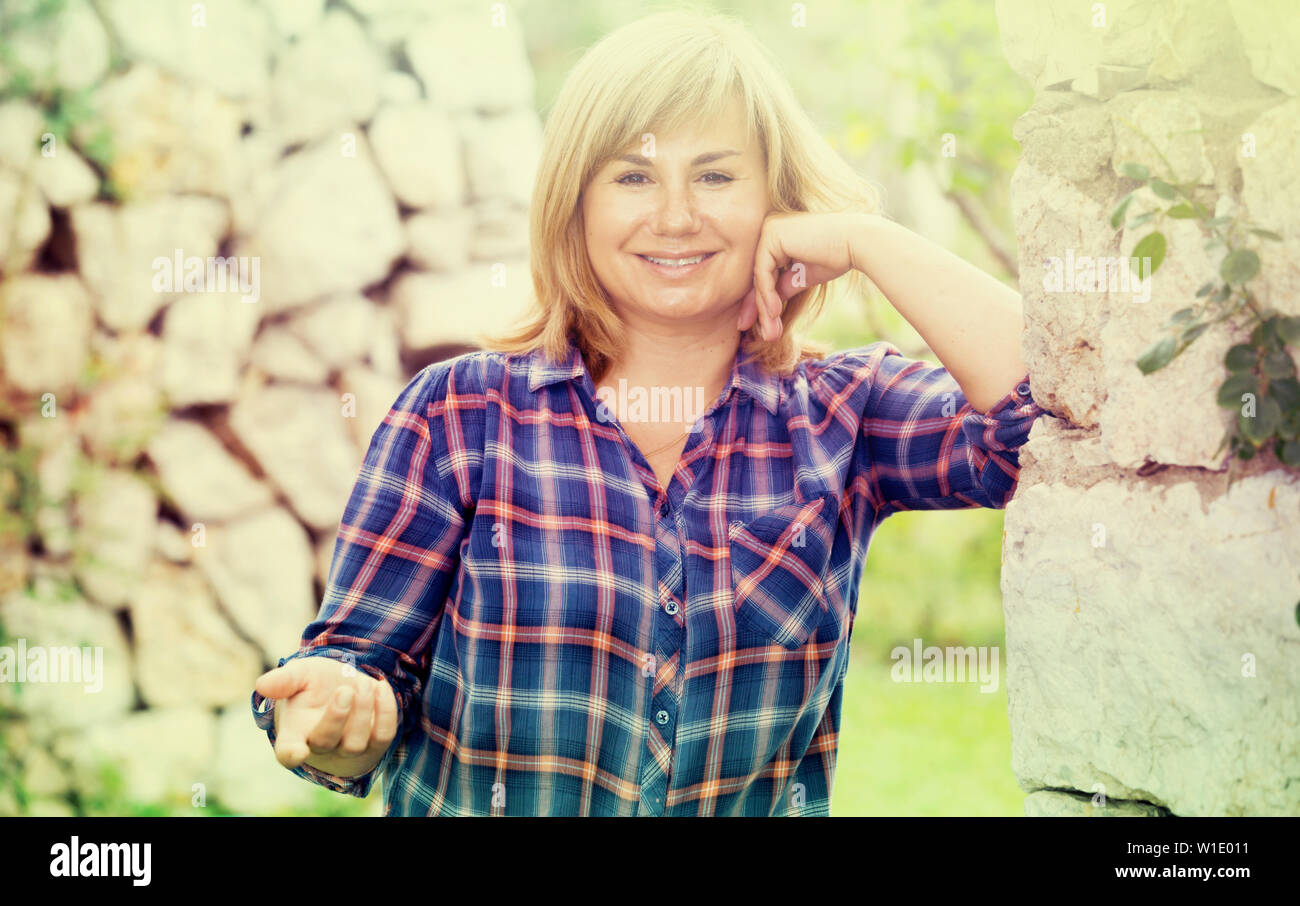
(795, 251)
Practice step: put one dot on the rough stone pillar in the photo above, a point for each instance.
(1151, 603)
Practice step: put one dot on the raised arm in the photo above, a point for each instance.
(971, 320)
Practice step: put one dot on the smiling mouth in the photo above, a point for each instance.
(676, 265)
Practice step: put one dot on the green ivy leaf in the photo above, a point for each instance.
(1191, 333)
(1288, 328)
(1157, 356)
(1267, 234)
(1135, 171)
(1268, 415)
(1182, 211)
(1277, 364)
(1163, 189)
(1118, 217)
(1290, 427)
(1151, 246)
(1231, 391)
(1239, 266)
(1223, 292)
(1286, 390)
(1140, 219)
(1205, 290)
(1241, 357)
(1265, 333)
(1178, 317)
(1291, 456)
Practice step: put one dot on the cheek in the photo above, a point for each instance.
(602, 219)
(742, 230)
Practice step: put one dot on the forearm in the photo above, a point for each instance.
(970, 319)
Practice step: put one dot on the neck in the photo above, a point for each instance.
(657, 359)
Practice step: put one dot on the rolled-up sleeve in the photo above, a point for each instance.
(396, 554)
(924, 446)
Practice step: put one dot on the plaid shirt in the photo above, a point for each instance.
(566, 637)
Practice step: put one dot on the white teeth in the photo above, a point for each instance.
(676, 262)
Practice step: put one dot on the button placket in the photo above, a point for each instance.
(668, 637)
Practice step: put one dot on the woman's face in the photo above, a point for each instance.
(697, 192)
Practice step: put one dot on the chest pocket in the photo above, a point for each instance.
(779, 563)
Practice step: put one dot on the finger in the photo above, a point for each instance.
(356, 732)
(757, 282)
(777, 296)
(385, 715)
(772, 294)
(748, 311)
(785, 288)
(291, 747)
(324, 737)
(282, 682)
(291, 725)
(764, 285)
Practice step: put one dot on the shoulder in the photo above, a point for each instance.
(843, 374)
(473, 379)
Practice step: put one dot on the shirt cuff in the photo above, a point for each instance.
(1005, 426)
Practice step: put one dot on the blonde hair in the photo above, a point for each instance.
(656, 74)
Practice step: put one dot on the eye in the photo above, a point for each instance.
(722, 178)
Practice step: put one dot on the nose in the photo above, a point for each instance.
(675, 211)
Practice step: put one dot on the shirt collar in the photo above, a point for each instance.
(747, 375)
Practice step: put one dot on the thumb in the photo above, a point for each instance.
(282, 682)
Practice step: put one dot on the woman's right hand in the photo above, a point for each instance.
(329, 715)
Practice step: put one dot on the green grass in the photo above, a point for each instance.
(922, 749)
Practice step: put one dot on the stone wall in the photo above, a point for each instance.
(1151, 604)
(193, 447)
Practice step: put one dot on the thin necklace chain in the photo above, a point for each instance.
(666, 446)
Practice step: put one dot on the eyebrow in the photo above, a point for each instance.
(706, 158)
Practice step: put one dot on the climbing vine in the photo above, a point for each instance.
(1260, 380)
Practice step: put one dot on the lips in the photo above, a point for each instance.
(685, 256)
(677, 270)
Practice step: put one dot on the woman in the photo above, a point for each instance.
(610, 566)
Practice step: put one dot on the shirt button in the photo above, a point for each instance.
(671, 607)
(1023, 389)
(663, 508)
(662, 717)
